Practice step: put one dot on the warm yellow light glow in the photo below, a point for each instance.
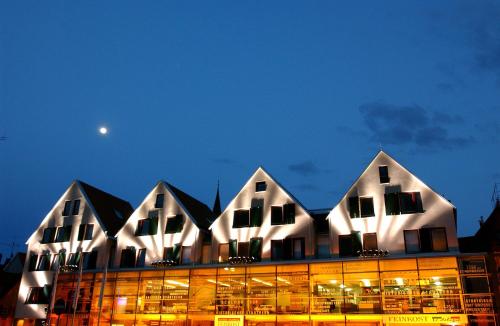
(399, 281)
(177, 283)
(283, 280)
(333, 281)
(366, 282)
(261, 281)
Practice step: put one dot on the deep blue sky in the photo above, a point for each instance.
(194, 92)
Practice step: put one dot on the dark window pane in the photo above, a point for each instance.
(391, 204)
(48, 235)
(76, 207)
(366, 207)
(174, 224)
(384, 174)
(176, 253)
(287, 249)
(370, 241)
(67, 232)
(32, 262)
(356, 242)
(241, 218)
(142, 227)
(141, 258)
(411, 241)
(167, 253)
(90, 260)
(159, 200)
(89, 231)
(298, 248)
(260, 186)
(276, 215)
(354, 207)
(256, 214)
(345, 245)
(67, 208)
(243, 249)
(256, 248)
(153, 225)
(477, 284)
(289, 213)
(276, 249)
(410, 202)
(128, 258)
(233, 248)
(81, 232)
(425, 240)
(439, 242)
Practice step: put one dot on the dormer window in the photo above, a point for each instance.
(260, 186)
(383, 172)
(159, 200)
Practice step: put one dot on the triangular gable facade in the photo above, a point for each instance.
(364, 207)
(262, 190)
(175, 219)
(72, 225)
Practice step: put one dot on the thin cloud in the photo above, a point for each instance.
(305, 168)
(411, 125)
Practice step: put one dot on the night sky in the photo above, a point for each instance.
(200, 92)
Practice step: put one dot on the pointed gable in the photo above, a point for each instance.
(111, 211)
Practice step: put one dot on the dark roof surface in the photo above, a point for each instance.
(200, 212)
(112, 211)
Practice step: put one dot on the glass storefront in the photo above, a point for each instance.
(438, 290)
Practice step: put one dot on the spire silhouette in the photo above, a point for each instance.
(216, 209)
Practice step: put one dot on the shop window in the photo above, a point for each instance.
(174, 224)
(186, 255)
(361, 207)
(350, 244)
(256, 248)
(283, 214)
(76, 207)
(49, 235)
(370, 241)
(223, 252)
(67, 208)
(403, 203)
(160, 198)
(289, 248)
(90, 259)
(383, 172)
(128, 257)
(256, 212)
(85, 232)
(44, 262)
(38, 295)
(148, 226)
(426, 240)
(260, 186)
(141, 258)
(63, 233)
(241, 218)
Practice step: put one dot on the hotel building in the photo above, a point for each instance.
(386, 254)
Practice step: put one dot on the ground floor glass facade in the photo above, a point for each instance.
(430, 290)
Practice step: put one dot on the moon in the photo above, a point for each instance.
(103, 130)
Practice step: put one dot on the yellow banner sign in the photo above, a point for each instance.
(425, 319)
(236, 320)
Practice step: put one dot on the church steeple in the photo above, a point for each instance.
(216, 209)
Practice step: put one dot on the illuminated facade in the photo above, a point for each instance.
(386, 254)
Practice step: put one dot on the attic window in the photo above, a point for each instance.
(174, 224)
(76, 207)
(159, 200)
(67, 208)
(283, 214)
(241, 218)
(147, 226)
(383, 172)
(260, 186)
